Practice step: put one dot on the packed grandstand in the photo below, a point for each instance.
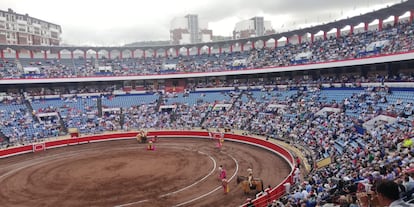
(359, 116)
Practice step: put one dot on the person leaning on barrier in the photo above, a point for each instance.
(389, 195)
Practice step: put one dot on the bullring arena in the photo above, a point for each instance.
(181, 171)
(338, 96)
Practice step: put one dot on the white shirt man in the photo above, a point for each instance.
(250, 176)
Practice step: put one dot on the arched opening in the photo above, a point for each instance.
(259, 44)
(237, 47)
(281, 41)
(204, 49)
(359, 28)
(171, 52)
(65, 54)
(126, 53)
(78, 54)
(52, 53)
(373, 26)
(319, 35)
(160, 52)
(294, 39)
(214, 49)
(270, 43)
(90, 54)
(345, 30)
(149, 53)
(404, 17)
(388, 22)
(103, 54)
(194, 50)
(24, 53)
(225, 48)
(331, 33)
(182, 51)
(247, 46)
(114, 54)
(306, 37)
(138, 53)
(9, 53)
(37, 54)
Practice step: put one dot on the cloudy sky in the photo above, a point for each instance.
(116, 22)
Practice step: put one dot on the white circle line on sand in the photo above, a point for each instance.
(40, 160)
(181, 189)
(70, 154)
(214, 190)
(197, 182)
(66, 155)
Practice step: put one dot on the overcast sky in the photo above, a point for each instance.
(116, 22)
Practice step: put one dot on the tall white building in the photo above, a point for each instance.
(21, 29)
(253, 27)
(189, 29)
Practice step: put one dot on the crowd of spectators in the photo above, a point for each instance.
(357, 157)
(291, 115)
(20, 126)
(392, 39)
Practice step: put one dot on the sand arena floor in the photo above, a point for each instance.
(180, 172)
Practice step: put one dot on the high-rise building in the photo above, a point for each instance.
(189, 30)
(21, 29)
(192, 20)
(253, 27)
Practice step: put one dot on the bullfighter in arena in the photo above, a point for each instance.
(250, 176)
(225, 185)
(223, 178)
(150, 145)
(220, 143)
(222, 173)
